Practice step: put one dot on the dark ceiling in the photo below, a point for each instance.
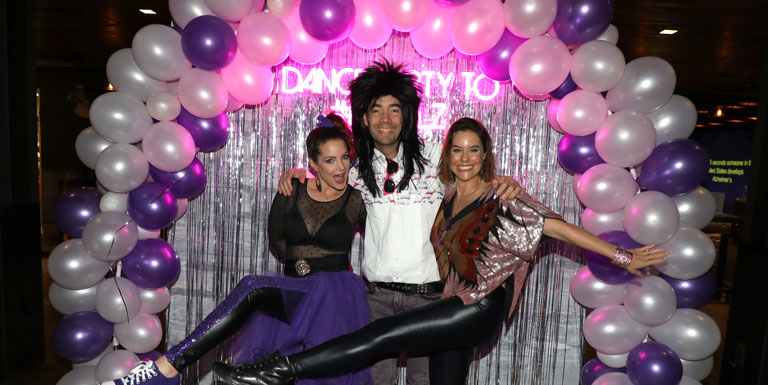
(716, 53)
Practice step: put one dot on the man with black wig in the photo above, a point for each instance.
(397, 175)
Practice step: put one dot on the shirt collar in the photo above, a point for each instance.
(379, 157)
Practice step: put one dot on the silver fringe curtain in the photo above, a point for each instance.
(223, 235)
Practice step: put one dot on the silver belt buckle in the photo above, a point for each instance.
(302, 267)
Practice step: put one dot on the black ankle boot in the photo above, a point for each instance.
(271, 370)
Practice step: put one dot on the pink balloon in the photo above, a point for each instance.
(598, 223)
(581, 112)
(552, 108)
(540, 65)
(247, 82)
(202, 93)
(651, 218)
(304, 48)
(477, 26)
(591, 292)
(168, 146)
(433, 39)
(183, 11)
(370, 31)
(529, 18)
(233, 104)
(405, 15)
(597, 65)
(263, 39)
(625, 139)
(606, 188)
(576, 179)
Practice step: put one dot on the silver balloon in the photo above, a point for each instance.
(611, 34)
(94, 361)
(692, 334)
(112, 201)
(146, 234)
(141, 334)
(168, 146)
(598, 223)
(88, 145)
(614, 378)
(650, 300)
(116, 364)
(698, 370)
(647, 84)
(592, 292)
(67, 301)
(126, 77)
(121, 168)
(675, 119)
(183, 203)
(163, 106)
(117, 300)
(183, 11)
(625, 139)
(611, 330)
(110, 235)
(651, 218)
(157, 51)
(696, 208)
(233, 10)
(120, 117)
(154, 301)
(71, 267)
(691, 254)
(606, 188)
(688, 381)
(85, 375)
(613, 360)
(597, 65)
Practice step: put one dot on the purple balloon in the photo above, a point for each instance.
(693, 293)
(495, 62)
(209, 134)
(82, 336)
(187, 183)
(579, 21)
(73, 210)
(601, 266)
(209, 43)
(566, 88)
(152, 264)
(594, 368)
(652, 363)
(327, 20)
(152, 206)
(674, 167)
(578, 153)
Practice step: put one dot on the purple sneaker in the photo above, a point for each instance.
(145, 373)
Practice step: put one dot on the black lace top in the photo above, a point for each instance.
(301, 227)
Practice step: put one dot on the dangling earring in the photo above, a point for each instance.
(319, 186)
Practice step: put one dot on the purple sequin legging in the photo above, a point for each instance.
(252, 293)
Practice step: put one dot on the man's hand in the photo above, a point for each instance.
(284, 185)
(506, 187)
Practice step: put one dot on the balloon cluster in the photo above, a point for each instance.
(176, 85)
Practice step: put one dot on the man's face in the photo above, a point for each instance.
(384, 119)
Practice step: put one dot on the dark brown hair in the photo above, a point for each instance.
(488, 171)
(319, 135)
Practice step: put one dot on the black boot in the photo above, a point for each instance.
(271, 370)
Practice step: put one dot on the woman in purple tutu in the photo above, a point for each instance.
(317, 300)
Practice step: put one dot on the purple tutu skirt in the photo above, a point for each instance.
(320, 307)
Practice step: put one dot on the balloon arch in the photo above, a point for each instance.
(624, 139)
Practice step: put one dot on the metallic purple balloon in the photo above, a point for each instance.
(578, 153)
(652, 363)
(152, 264)
(327, 20)
(209, 43)
(495, 62)
(579, 21)
(82, 336)
(594, 368)
(693, 293)
(674, 167)
(187, 183)
(152, 206)
(601, 266)
(566, 88)
(73, 210)
(209, 134)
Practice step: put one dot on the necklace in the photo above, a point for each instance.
(466, 198)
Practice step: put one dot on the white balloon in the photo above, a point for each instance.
(675, 119)
(67, 301)
(650, 300)
(598, 223)
(146, 234)
(613, 360)
(115, 364)
(94, 361)
(154, 301)
(112, 201)
(698, 370)
(614, 378)
(696, 208)
(183, 203)
(88, 145)
(691, 254)
(85, 375)
(183, 11)
(157, 51)
(127, 77)
(163, 106)
(611, 34)
(141, 334)
(117, 300)
(119, 117)
(692, 334)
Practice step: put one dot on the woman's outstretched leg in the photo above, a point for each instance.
(252, 293)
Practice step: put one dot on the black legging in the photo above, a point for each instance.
(446, 328)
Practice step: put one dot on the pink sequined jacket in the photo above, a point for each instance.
(486, 243)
